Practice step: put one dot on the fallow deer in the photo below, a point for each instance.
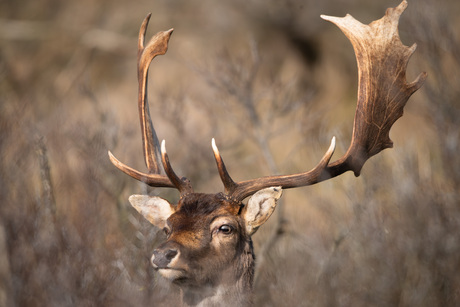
(208, 251)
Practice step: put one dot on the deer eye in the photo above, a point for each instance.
(167, 231)
(226, 229)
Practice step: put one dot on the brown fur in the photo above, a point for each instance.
(213, 264)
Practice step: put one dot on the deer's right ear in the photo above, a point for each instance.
(155, 209)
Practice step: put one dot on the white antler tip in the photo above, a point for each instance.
(214, 146)
(163, 146)
(328, 18)
(332, 147)
(112, 157)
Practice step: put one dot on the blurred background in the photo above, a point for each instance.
(272, 82)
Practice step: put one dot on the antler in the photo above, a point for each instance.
(382, 94)
(158, 45)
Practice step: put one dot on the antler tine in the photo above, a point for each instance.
(228, 182)
(382, 94)
(158, 45)
(182, 184)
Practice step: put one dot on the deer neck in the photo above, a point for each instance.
(232, 288)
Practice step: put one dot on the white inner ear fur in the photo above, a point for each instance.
(155, 209)
(260, 207)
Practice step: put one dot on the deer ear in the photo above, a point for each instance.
(155, 209)
(259, 208)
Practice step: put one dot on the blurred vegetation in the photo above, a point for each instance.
(272, 82)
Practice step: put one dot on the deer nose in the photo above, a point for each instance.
(161, 258)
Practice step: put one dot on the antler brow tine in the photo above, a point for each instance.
(228, 182)
(182, 184)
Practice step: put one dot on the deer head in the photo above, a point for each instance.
(209, 235)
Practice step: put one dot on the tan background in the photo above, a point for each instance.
(68, 90)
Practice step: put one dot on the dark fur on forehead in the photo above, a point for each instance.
(204, 204)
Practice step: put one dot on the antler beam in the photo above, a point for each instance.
(158, 45)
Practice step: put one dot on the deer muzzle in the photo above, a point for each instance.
(162, 258)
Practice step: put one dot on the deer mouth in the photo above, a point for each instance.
(171, 273)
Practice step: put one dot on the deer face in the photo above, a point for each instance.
(206, 233)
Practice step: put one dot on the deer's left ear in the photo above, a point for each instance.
(259, 208)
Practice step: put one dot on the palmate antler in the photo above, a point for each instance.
(382, 94)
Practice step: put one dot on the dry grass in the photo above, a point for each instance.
(272, 83)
